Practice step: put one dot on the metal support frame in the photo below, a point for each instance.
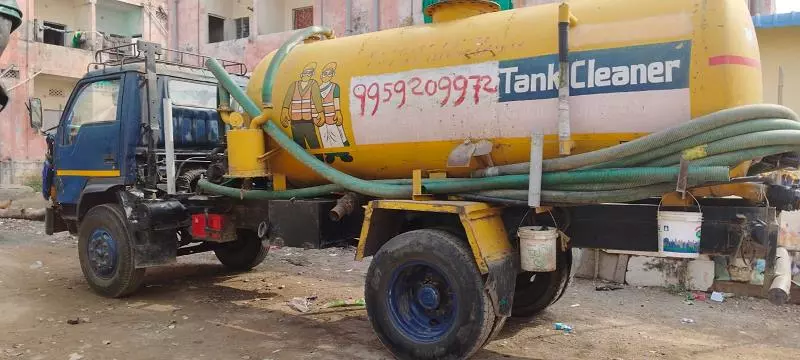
(565, 21)
(726, 224)
(151, 51)
(169, 146)
(535, 178)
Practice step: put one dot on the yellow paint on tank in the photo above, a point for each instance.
(382, 104)
(245, 146)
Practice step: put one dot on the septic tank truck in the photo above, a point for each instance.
(472, 154)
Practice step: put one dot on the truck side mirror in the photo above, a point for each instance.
(35, 113)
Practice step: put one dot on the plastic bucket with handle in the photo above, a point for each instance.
(538, 248)
(679, 233)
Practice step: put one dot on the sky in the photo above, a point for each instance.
(784, 6)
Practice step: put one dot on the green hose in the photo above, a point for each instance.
(740, 142)
(700, 139)
(579, 179)
(659, 139)
(580, 197)
(651, 142)
(317, 191)
(602, 186)
(282, 52)
(734, 158)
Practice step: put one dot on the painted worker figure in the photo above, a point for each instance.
(10, 20)
(332, 132)
(302, 109)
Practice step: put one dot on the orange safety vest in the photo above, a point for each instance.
(328, 106)
(302, 108)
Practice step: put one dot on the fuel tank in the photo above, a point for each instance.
(382, 104)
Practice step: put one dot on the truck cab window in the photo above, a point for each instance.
(192, 94)
(97, 102)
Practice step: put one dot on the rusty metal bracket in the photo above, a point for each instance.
(417, 188)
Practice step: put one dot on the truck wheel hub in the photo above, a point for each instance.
(102, 253)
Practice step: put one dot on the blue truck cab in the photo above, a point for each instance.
(106, 170)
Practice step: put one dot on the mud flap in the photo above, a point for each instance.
(500, 284)
(53, 223)
(155, 248)
(156, 228)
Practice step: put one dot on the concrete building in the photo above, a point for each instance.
(779, 40)
(56, 42)
(47, 56)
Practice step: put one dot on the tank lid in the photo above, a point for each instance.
(448, 10)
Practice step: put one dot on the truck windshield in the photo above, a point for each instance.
(192, 94)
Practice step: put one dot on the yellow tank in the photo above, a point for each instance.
(382, 104)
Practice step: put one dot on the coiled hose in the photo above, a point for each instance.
(593, 177)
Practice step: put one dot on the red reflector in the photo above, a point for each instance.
(215, 222)
(202, 224)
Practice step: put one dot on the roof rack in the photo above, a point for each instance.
(130, 53)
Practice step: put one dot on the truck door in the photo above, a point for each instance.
(88, 142)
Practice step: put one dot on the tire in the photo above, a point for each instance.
(105, 250)
(534, 292)
(243, 254)
(404, 303)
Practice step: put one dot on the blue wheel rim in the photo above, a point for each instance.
(102, 253)
(422, 304)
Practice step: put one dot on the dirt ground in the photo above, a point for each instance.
(196, 310)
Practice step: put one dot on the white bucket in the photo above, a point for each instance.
(679, 234)
(537, 248)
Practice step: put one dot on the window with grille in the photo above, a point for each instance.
(303, 17)
(242, 27)
(9, 74)
(55, 92)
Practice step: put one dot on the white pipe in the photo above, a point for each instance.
(780, 85)
(255, 19)
(26, 80)
(779, 290)
(348, 17)
(564, 131)
(376, 15)
(535, 179)
(169, 146)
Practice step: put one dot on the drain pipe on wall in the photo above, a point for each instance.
(376, 15)
(348, 17)
(565, 20)
(321, 12)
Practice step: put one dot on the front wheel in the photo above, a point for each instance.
(247, 252)
(105, 250)
(426, 299)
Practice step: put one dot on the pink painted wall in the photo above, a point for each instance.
(19, 143)
(17, 140)
(189, 25)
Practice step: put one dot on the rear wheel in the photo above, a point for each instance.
(534, 292)
(247, 252)
(425, 297)
(105, 250)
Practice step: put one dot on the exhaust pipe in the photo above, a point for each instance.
(345, 206)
